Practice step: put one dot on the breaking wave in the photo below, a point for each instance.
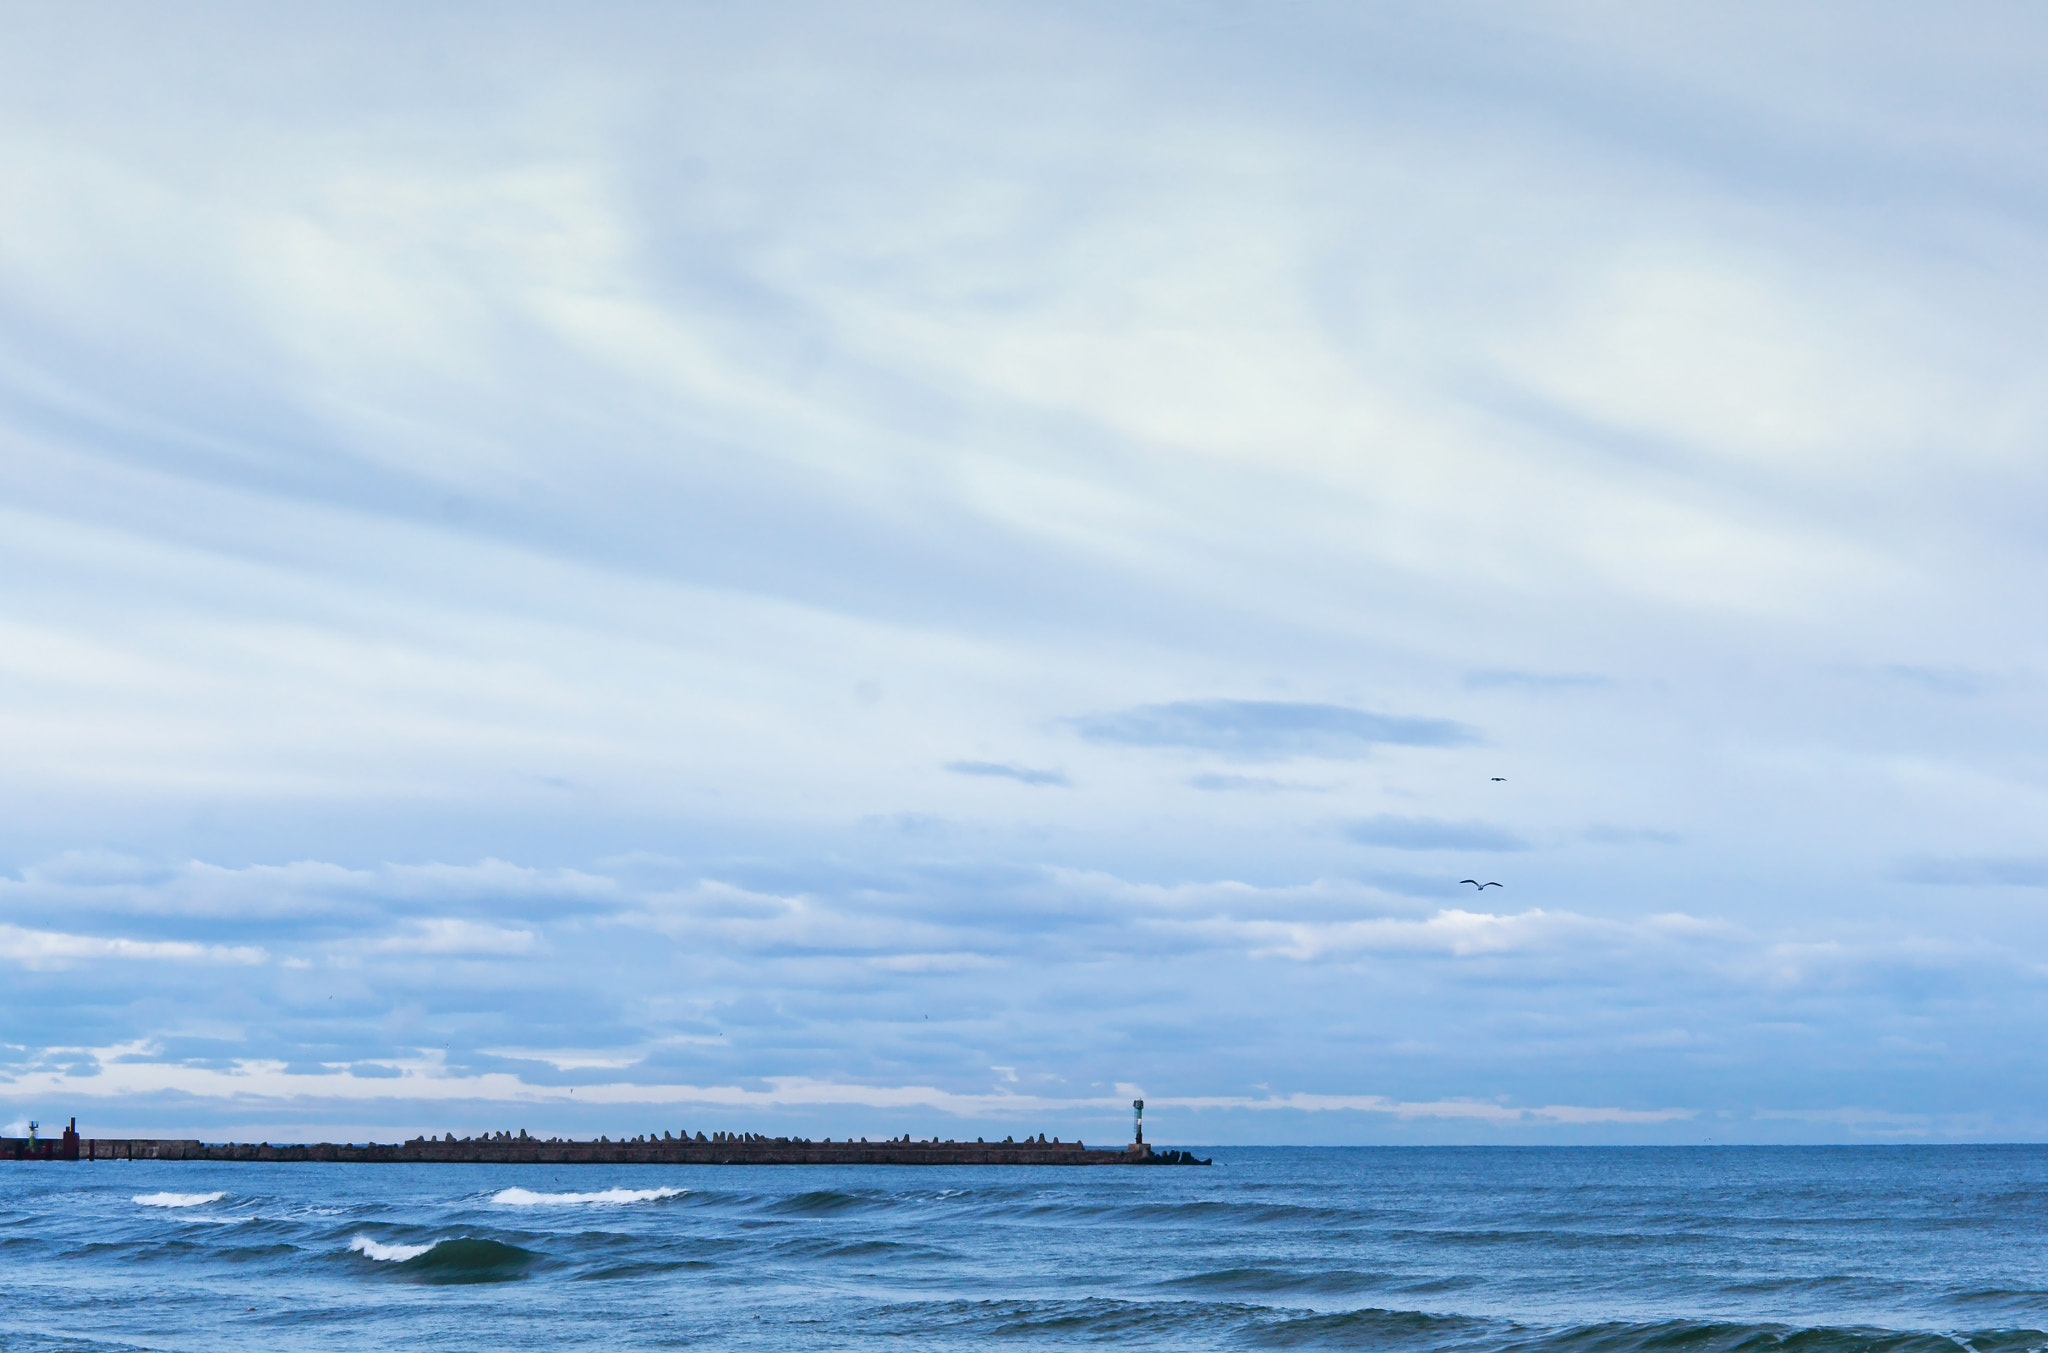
(387, 1254)
(461, 1260)
(611, 1197)
(179, 1199)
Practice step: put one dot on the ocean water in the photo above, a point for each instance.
(1809, 1250)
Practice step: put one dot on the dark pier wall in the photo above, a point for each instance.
(506, 1149)
(17, 1148)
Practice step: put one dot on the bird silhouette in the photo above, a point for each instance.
(1482, 887)
(1500, 779)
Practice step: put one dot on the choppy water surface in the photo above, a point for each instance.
(1540, 1251)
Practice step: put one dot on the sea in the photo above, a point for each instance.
(1904, 1249)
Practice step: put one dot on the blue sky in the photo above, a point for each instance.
(936, 568)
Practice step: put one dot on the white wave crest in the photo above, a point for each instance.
(387, 1254)
(178, 1199)
(612, 1197)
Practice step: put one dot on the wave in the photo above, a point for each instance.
(1080, 1320)
(829, 1247)
(20, 1341)
(464, 1259)
(1280, 1280)
(820, 1202)
(1699, 1336)
(649, 1268)
(388, 1254)
(1390, 1329)
(1242, 1324)
(1219, 1211)
(2027, 1297)
(612, 1197)
(178, 1199)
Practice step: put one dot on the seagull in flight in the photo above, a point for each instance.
(1482, 887)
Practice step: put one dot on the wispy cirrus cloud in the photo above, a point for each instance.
(1486, 1111)
(1267, 730)
(109, 885)
(1423, 833)
(1977, 871)
(1497, 678)
(1607, 834)
(1214, 783)
(1952, 681)
(1003, 770)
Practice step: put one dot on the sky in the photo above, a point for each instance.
(847, 570)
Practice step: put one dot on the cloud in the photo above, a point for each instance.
(1978, 871)
(1957, 681)
(1005, 771)
(1861, 1121)
(1572, 1113)
(426, 1079)
(1487, 1111)
(50, 948)
(453, 935)
(1453, 931)
(1422, 833)
(85, 868)
(1246, 784)
(956, 962)
(747, 920)
(302, 890)
(1266, 730)
(1407, 884)
(1603, 834)
(1500, 678)
(605, 1059)
(572, 1059)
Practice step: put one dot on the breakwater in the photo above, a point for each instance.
(509, 1148)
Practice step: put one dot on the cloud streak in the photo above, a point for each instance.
(1002, 770)
(424, 1080)
(1420, 833)
(2011, 871)
(1266, 730)
(51, 948)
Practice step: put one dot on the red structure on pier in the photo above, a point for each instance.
(29, 1148)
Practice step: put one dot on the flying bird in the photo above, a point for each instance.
(1482, 887)
(1500, 779)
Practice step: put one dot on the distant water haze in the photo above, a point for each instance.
(843, 571)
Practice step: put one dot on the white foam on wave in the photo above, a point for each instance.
(388, 1254)
(612, 1197)
(178, 1199)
